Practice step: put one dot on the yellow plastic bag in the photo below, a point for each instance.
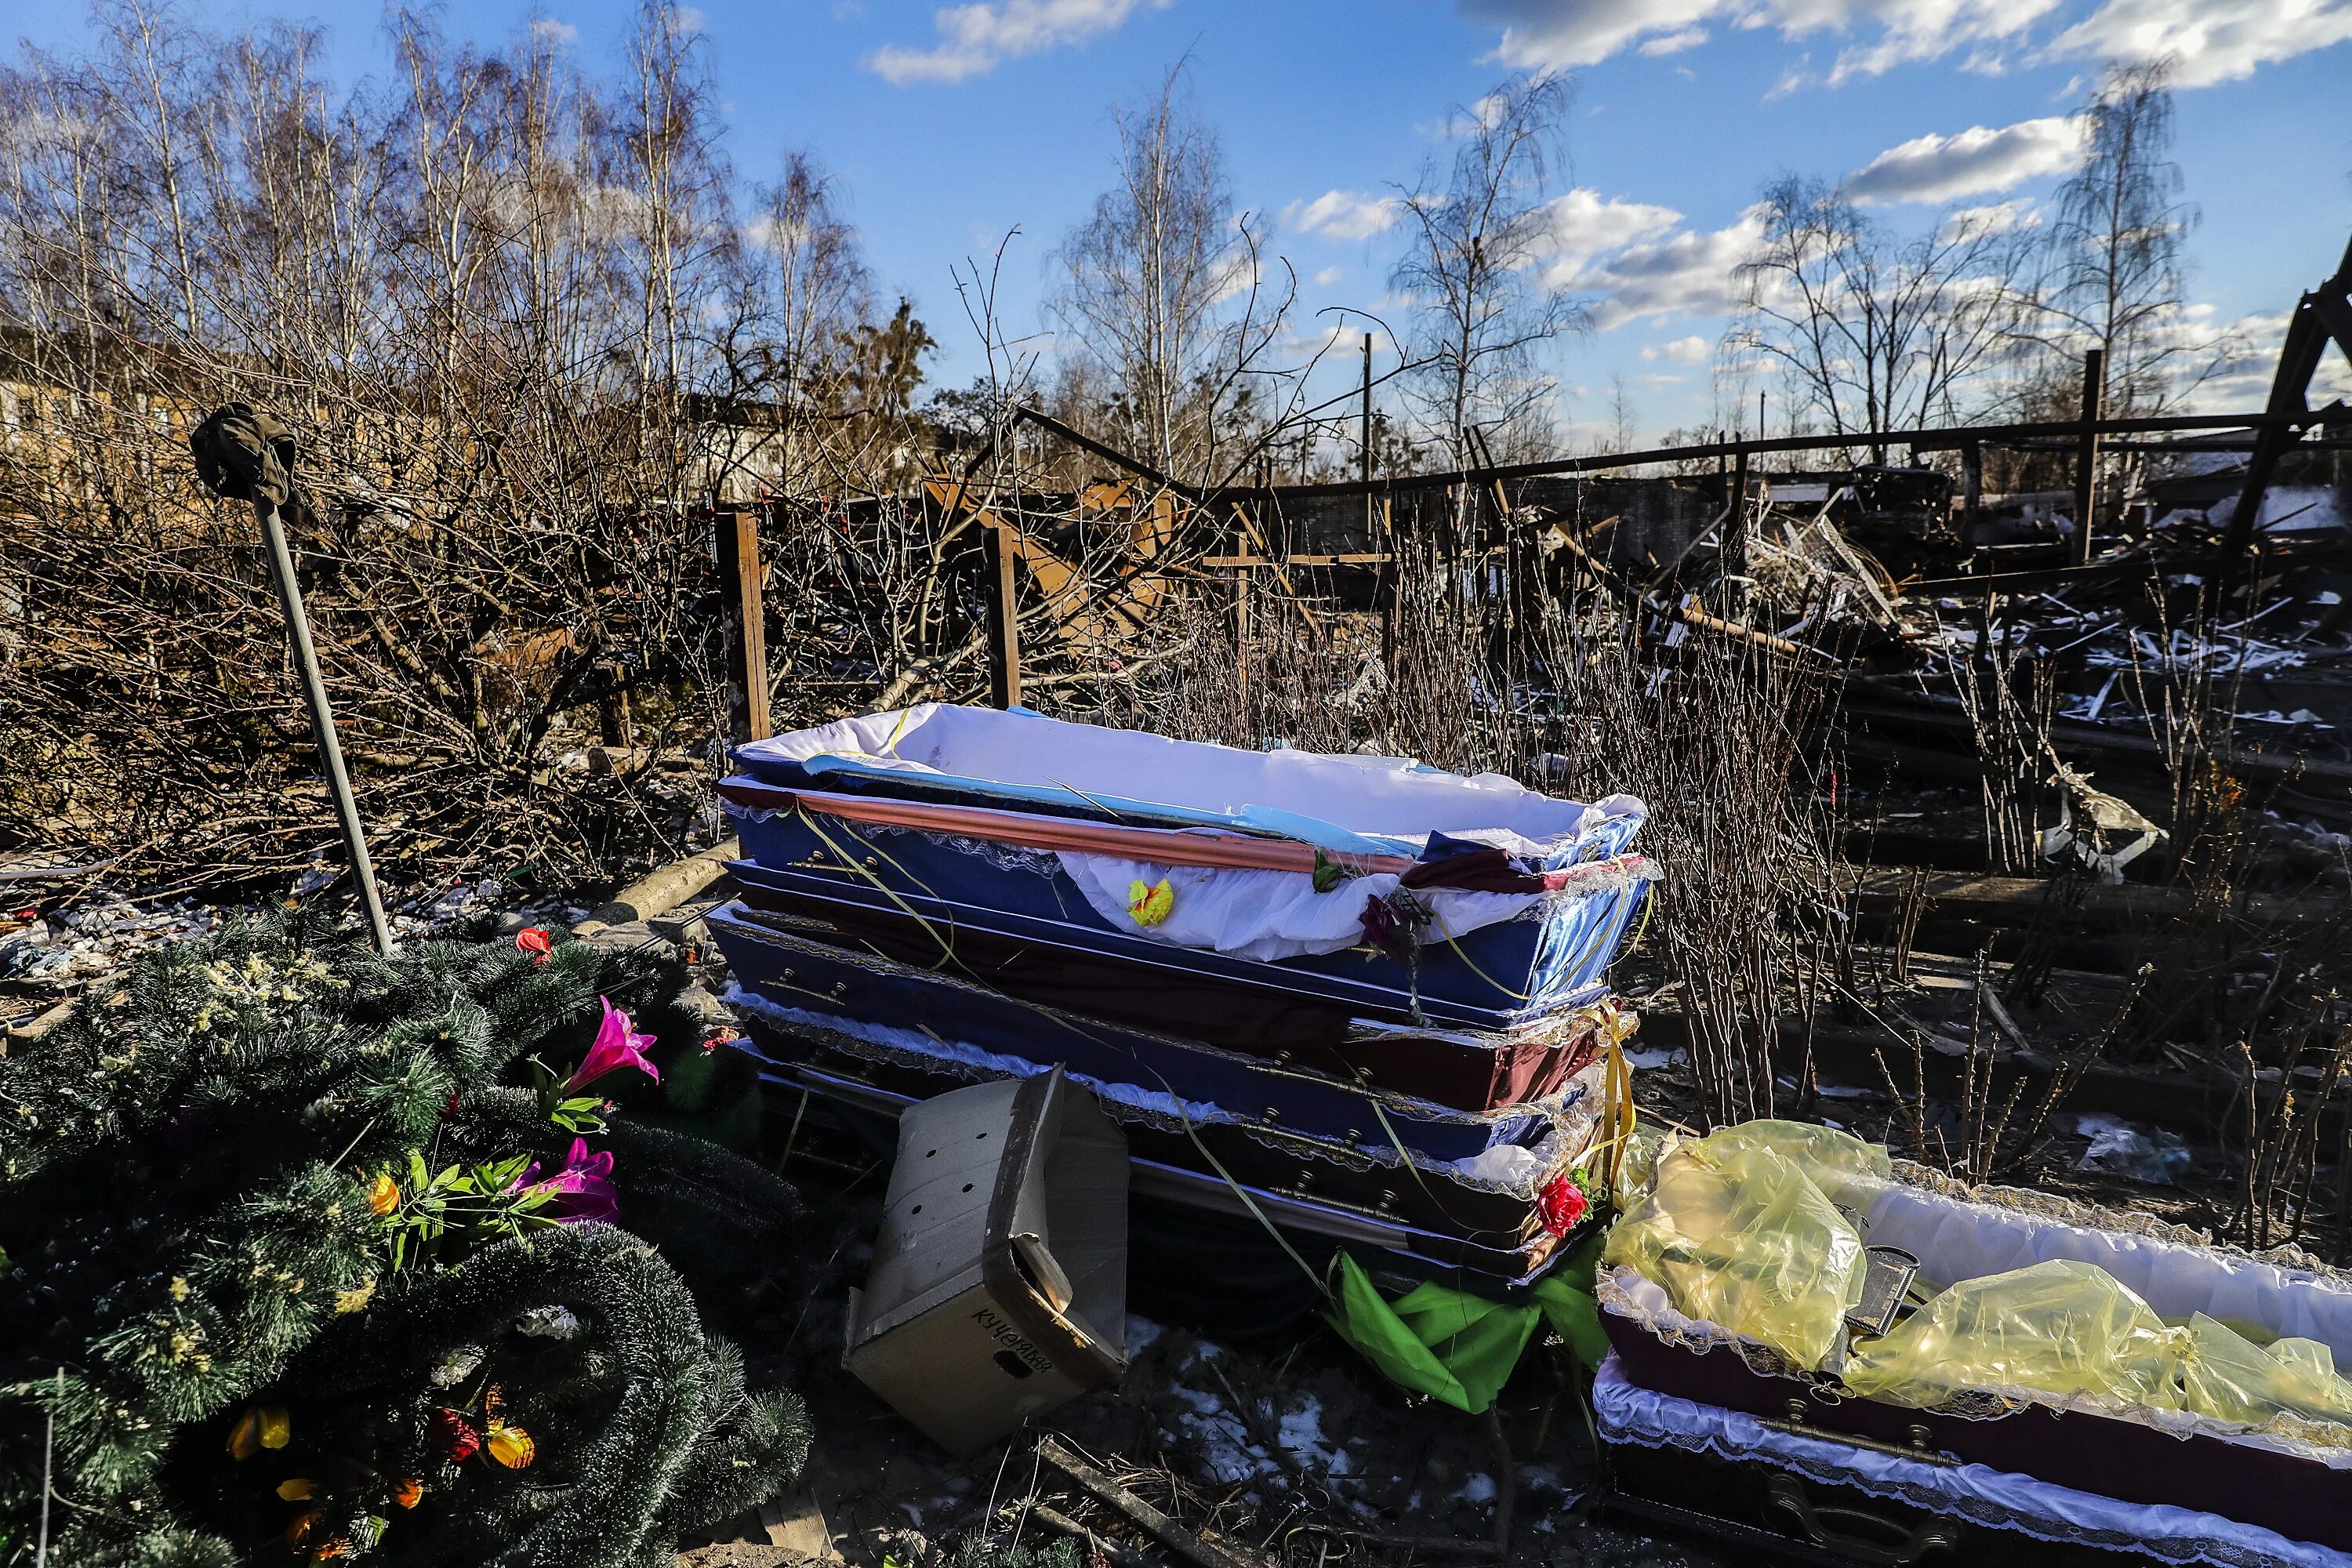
(2060, 1328)
(2216, 1370)
(2318, 1362)
(1740, 1236)
(1840, 1163)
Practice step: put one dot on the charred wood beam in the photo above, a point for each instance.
(2285, 428)
(1950, 438)
(1868, 699)
(1136, 466)
(2320, 315)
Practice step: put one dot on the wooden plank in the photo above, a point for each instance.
(1003, 622)
(736, 539)
(2014, 900)
(2086, 452)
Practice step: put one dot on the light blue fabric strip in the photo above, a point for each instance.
(1260, 820)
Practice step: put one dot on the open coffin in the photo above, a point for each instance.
(2049, 1411)
(1389, 886)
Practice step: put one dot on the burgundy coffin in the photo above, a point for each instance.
(1465, 1070)
(2299, 1497)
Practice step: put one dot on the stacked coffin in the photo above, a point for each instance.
(1360, 998)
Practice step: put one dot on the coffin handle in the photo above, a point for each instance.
(1888, 1542)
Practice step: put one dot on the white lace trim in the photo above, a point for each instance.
(1513, 1170)
(1626, 1413)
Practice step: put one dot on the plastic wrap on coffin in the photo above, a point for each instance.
(2297, 1490)
(784, 968)
(1467, 1069)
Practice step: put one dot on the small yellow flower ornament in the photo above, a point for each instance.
(1150, 904)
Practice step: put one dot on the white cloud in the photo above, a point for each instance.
(1675, 43)
(554, 32)
(1584, 224)
(2250, 351)
(1999, 217)
(1556, 34)
(1692, 350)
(1329, 276)
(2210, 40)
(1343, 215)
(1933, 168)
(1689, 273)
(975, 39)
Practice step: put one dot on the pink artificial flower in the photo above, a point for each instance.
(582, 1190)
(618, 1044)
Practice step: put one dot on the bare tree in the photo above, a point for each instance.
(1472, 269)
(1871, 331)
(2112, 255)
(1148, 276)
(509, 311)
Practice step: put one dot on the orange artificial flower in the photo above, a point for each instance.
(261, 1426)
(300, 1531)
(383, 1194)
(409, 1492)
(510, 1446)
(298, 1489)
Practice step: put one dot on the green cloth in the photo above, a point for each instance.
(1460, 1348)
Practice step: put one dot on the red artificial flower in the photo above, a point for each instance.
(459, 1438)
(534, 941)
(1562, 1206)
(719, 1038)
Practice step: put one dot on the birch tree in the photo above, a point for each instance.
(1472, 269)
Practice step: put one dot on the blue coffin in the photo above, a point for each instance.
(808, 983)
(1553, 953)
(1485, 978)
(1316, 1224)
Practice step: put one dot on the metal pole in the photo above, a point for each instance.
(2086, 451)
(323, 718)
(1364, 443)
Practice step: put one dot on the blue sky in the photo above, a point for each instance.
(946, 128)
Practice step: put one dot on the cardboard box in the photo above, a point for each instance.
(999, 1287)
